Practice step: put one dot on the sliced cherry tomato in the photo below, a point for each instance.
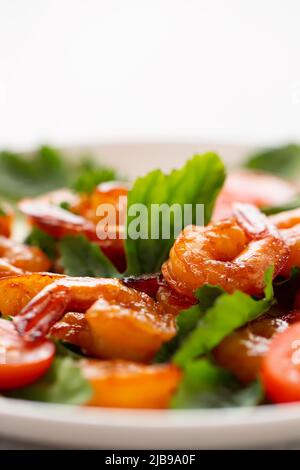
(260, 189)
(281, 367)
(21, 363)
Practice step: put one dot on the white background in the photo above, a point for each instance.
(79, 71)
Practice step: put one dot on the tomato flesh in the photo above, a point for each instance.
(21, 363)
(280, 370)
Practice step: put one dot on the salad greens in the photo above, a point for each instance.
(89, 175)
(80, 257)
(204, 385)
(228, 312)
(201, 327)
(217, 314)
(46, 170)
(42, 240)
(197, 182)
(281, 161)
(63, 383)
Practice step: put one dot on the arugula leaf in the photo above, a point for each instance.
(90, 175)
(80, 257)
(42, 240)
(282, 161)
(63, 383)
(205, 385)
(197, 182)
(229, 312)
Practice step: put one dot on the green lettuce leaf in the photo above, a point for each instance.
(47, 169)
(42, 240)
(282, 161)
(205, 385)
(228, 312)
(188, 319)
(197, 182)
(63, 383)
(80, 257)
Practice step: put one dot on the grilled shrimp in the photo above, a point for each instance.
(16, 258)
(242, 351)
(156, 287)
(119, 322)
(233, 253)
(122, 384)
(6, 220)
(288, 224)
(81, 217)
(17, 291)
(8, 270)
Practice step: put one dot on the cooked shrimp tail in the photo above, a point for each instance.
(42, 312)
(254, 222)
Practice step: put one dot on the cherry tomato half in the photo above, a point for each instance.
(281, 367)
(21, 363)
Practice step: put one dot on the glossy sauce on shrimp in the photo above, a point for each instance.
(233, 254)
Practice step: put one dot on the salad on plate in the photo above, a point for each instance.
(177, 290)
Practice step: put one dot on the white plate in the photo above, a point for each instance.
(104, 428)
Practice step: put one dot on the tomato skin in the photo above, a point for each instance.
(280, 371)
(21, 364)
(253, 187)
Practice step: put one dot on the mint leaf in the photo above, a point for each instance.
(282, 161)
(80, 257)
(197, 182)
(205, 385)
(229, 312)
(63, 383)
(42, 240)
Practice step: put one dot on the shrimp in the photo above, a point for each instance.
(253, 187)
(242, 351)
(81, 217)
(131, 326)
(156, 287)
(6, 220)
(23, 257)
(119, 322)
(233, 253)
(288, 224)
(8, 270)
(17, 291)
(123, 384)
